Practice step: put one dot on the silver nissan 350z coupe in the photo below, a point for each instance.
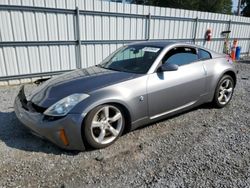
(136, 85)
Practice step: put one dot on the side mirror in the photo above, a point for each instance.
(169, 67)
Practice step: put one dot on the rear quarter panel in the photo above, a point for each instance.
(215, 69)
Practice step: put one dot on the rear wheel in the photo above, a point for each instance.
(224, 91)
(103, 126)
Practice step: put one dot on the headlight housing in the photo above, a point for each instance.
(62, 107)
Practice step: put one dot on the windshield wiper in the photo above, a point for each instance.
(109, 68)
(99, 65)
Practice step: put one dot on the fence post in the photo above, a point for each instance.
(195, 29)
(148, 29)
(229, 25)
(249, 46)
(78, 35)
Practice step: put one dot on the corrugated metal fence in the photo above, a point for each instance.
(45, 37)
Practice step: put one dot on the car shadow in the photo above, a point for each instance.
(202, 106)
(15, 135)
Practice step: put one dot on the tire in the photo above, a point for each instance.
(103, 126)
(224, 91)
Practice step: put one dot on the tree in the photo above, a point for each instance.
(245, 4)
(219, 6)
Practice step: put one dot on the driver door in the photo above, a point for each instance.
(171, 91)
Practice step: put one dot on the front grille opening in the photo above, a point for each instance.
(24, 103)
(52, 118)
(38, 108)
(35, 108)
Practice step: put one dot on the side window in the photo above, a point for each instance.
(181, 56)
(203, 54)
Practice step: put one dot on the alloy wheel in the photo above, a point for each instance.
(225, 91)
(106, 124)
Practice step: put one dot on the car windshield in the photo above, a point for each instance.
(132, 58)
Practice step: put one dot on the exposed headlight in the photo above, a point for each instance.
(62, 107)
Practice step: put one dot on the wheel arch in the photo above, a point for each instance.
(232, 74)
(126, 114)
(215, 80)
(124, 109)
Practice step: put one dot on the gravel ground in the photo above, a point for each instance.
(204, 147)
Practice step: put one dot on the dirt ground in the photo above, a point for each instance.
(204, 147)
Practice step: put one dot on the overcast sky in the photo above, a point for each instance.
(235, 4)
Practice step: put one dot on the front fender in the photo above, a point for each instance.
(131, 95)
(86, 106)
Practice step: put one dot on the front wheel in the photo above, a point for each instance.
(224, 91)
(103, 125)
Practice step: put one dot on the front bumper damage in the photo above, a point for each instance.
(64, 132)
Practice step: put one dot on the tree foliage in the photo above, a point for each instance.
(219, 6)
(245, 4)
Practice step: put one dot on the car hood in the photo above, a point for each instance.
(78, 81)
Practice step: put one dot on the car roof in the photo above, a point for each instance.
(163, 44)
(154, 43)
